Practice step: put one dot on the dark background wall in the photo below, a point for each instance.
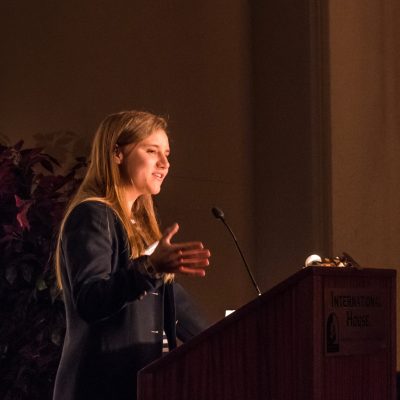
(284, 114)
(292, 154)
(235, 83)
(65, 65)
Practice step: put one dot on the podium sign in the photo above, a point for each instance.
(324, 333)
(354, 321)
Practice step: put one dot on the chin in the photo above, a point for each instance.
(155, 191)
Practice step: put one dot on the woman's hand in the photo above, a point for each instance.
(190, 258)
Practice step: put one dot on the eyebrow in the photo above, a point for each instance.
(156, 145)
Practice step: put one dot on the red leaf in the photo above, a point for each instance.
(19, 145)
(23, 220)
(22, 217)
(18, 201)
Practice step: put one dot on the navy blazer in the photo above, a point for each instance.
(116, 312)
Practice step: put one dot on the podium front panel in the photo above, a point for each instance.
(323, 333)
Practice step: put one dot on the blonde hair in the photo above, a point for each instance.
(102, 181)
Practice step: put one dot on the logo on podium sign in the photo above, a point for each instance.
(332, 334)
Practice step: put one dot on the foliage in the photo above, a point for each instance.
(32, 323)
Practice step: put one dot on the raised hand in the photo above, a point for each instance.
(190, 258)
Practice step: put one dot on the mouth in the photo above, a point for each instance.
(158, 175)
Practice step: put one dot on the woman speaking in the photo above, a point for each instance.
(116, 269)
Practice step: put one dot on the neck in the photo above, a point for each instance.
(130, 197)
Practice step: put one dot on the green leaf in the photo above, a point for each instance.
(40, 284)
(11, 274)
(56, 338)
(27, 272)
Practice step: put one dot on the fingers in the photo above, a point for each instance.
(194, 258)
(193, 272)
(192, 263)
(189, 258)
(188, 246)
(169, 233)
(193, 254)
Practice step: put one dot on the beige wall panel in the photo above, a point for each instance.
(365, 99)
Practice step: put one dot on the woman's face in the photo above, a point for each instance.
(144, 165)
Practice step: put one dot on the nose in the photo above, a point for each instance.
(163, 162)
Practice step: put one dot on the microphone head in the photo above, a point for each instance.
(217, 212)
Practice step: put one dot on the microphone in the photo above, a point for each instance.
(219, 214)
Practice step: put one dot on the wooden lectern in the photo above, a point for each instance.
(324, 333)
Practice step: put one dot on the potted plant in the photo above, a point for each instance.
(33, 197)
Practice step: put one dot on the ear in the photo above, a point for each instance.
(118, 155)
